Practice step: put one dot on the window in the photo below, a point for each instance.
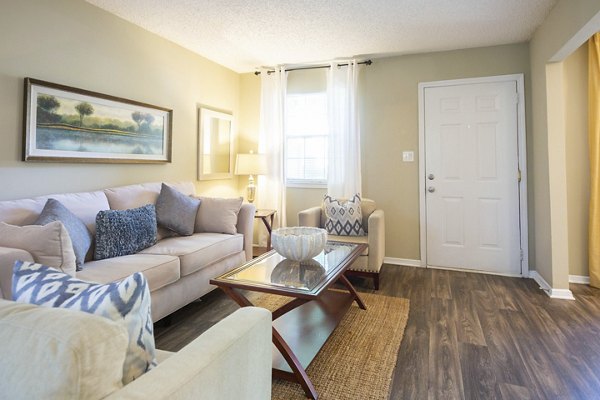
(306, 132)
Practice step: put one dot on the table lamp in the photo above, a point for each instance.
(251, 164)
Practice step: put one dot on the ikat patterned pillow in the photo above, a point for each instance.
(126, 302)
(344, 218)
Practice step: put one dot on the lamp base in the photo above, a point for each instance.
(251, 190)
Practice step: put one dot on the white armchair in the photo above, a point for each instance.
(370, 261)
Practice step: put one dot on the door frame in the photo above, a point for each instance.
(522, 157)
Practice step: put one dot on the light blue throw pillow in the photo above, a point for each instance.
(126, 302)
(80, 236)
(124, 232)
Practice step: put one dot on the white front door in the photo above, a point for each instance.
(472, 177)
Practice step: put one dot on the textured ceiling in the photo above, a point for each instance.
(243, 35)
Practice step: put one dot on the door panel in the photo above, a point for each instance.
(472, 202)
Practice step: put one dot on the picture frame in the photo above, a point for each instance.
(215, 144)
(67, 124)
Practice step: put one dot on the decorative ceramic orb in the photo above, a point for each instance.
(299, 243)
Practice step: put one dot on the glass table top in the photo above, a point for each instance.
(274, 270)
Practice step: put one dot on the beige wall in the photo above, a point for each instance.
(74, 43)
(578, 165)
(389, 125)
(567, 26)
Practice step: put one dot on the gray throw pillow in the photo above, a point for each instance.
(123, 232)
(81, 237)
(176, 211)
(218, 215)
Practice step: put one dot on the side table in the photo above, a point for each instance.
(267, 217)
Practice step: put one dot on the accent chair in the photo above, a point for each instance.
(370, 261)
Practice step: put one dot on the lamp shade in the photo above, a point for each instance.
(251, 164)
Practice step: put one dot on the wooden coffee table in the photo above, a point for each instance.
(302, 326)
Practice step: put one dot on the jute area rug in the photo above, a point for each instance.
(358, 360)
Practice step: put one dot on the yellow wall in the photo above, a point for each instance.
(76, 44)
(567, 26)
(578, 172)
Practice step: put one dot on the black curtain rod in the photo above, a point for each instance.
(367, 62)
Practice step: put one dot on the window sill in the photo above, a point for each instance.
(306, 185)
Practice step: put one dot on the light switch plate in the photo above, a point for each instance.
(408, 156)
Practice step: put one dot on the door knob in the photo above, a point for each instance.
(430, 177)
(431, 189)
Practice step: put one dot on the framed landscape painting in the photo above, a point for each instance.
(67, 124)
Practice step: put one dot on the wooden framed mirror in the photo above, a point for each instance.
(215, 144)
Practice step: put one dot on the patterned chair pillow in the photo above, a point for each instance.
(343, 218)
(124, 232)
(126, 302)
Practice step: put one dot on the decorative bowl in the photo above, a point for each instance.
(299, 243)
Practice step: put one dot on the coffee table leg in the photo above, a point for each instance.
(237, 297)
(282, 346)
(352, 291)
(295, 365)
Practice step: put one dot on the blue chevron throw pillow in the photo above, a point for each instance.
(344, 218)
(126, 302)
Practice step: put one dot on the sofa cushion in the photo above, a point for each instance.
(48, 244)
(199, 250)
(85, 205)
(132, 196)
(58, 354)
(123, 232)
(159, 271)
(81, 238)
(350, 239)
(176, 211)
(126, 302)
(218, 215)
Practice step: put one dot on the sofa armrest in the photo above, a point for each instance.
(245, 225)
(231, 360)
(376, 239)
(310, 217)
(8, 256)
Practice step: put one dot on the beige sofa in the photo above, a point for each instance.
(178, 269)
(370, 261)
(53, 353)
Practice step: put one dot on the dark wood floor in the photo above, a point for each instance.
(469, 336)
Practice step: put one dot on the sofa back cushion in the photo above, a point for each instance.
(133, 196)
(58, 354)
(84, 205)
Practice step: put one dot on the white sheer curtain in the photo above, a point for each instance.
(271, 187)
(343, 168)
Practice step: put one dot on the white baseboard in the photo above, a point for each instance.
(402, 261)
(582, 279)
(564, 294)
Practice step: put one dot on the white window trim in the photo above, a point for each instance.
(306, 183)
